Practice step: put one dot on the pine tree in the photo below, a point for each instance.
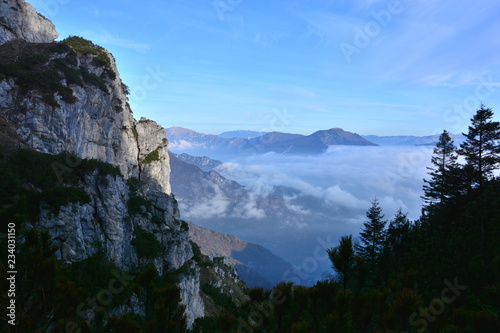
(343, 259)
(443, 184)
(481, 148)
(372, 237)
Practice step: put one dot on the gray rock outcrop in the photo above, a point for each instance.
(19, 20)
(98, 125)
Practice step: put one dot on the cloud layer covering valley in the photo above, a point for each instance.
(348, 176)
(297, 206)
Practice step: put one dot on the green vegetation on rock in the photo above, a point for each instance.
(146, 244)
(51, 69)
(151, 157)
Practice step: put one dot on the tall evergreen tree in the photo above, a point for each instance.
(442, 183)
(481, 147)
(343, 259)
(372, 237)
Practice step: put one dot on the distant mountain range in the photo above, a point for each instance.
(405, 140)
(256, 265)
(242, 134)
(185, 140)
(252, 142)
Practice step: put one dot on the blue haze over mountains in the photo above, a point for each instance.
(295, 194)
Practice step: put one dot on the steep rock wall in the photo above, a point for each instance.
(19, 20)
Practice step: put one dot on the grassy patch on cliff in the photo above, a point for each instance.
(51, 69)
(152, 156)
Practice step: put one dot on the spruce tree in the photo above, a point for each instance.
(481, 147)
(443, 176)
(372, 237)
(343, 259)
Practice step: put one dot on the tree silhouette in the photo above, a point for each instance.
(372, 237)
(481, 148)
(343, 260)
(442, 183)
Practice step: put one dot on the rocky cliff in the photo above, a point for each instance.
(19, 20)
(58, 97)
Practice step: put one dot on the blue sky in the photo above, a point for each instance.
(370, 67)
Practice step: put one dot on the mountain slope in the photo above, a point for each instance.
(205, 195)
(256, 265)
(204, 163)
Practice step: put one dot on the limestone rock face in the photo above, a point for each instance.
(19, 20)
(98, 125)
(153, 155)
(106, 219)
(190, 295)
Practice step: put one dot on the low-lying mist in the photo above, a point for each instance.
(349, 176)
(326, 196)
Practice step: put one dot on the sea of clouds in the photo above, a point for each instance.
(348, 176)
(345, 178)
(326, 195)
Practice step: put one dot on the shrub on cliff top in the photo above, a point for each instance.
(84, 46)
